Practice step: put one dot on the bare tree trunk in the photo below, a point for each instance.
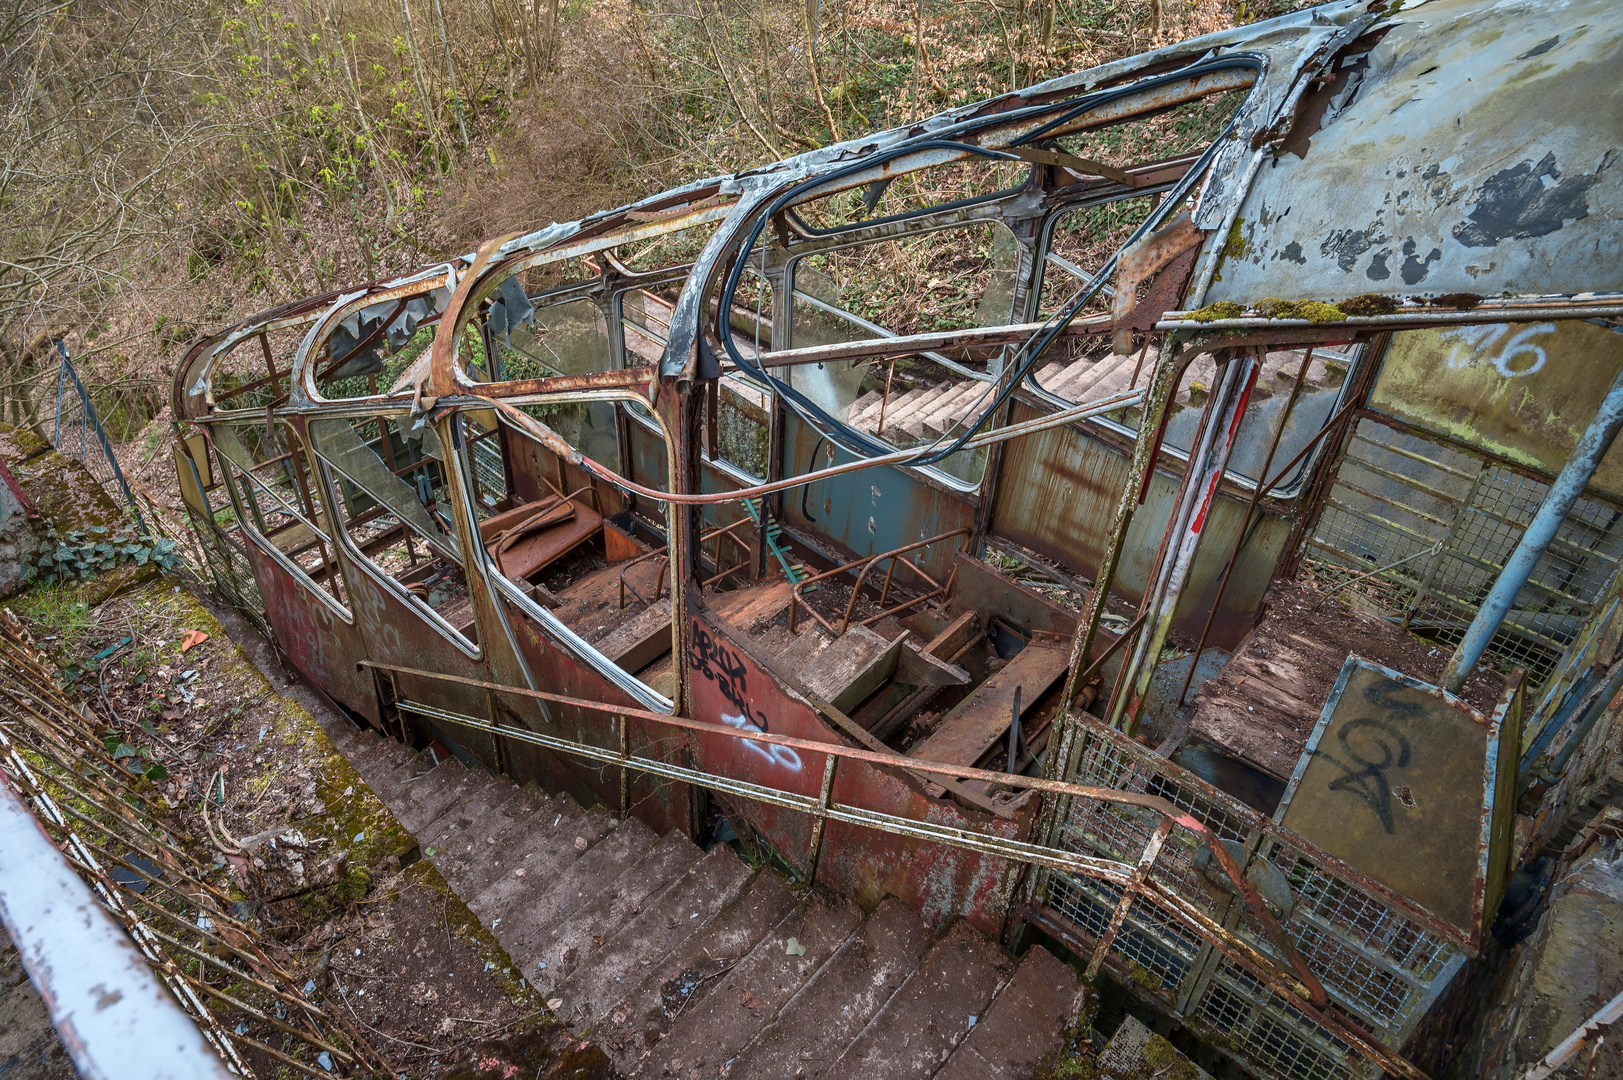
(450, 73)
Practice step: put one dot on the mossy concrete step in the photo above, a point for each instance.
(755, 990)
(817, 1025)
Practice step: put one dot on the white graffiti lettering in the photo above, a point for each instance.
(778, 755)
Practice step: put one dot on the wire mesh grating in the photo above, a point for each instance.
(1432, 528)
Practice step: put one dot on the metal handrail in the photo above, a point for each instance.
(1302, 991)
(867, 564)
(663, 553)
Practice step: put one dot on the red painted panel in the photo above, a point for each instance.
(728, 686)
(319, 644)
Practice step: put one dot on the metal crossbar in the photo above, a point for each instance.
(1140, 891)
(863, 566)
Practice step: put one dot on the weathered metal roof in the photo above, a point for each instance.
(1459, 146)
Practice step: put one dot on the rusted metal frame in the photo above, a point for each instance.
(552, 441)
(1421, 459)
(328, 568)
(1413, 484)
(1081, 166)
(1152, 803)
(632, 378)
(625, 758)
(825, 797)
(366, 342)
(1250, 512)
(989, 339)
(483, 278)
(1146, 861)
(1373, 496)
(1169, 369)
(661, 553)
(796, 596)
(1202, 482)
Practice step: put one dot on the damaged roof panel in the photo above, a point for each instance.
(1447, 154)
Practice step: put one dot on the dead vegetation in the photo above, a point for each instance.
(168, 166)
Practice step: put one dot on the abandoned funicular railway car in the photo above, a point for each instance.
(937, 506)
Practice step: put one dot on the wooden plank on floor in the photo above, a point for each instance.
(982, 718)
(852, 667)
(641, 639)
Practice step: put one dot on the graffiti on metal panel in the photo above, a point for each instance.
(722, 666)
(1512, 350)
(1372, 749)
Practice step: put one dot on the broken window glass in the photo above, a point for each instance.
(279, 505)
(388, 472)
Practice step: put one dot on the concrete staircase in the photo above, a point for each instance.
(681, 962)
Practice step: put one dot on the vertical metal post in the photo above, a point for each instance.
(1558, 502)
(824, 798)
(1204, 476)
(625, 771)
(1245, 526)
(1146, 860)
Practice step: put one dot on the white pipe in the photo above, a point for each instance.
(115, 1018)
(1610, 1013)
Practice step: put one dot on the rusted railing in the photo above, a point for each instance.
(1133, 877)
(151, 880)
(893, 555)
(662, 555)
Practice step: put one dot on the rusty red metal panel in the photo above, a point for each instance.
(318, 643)
(664, 805)
(728, 686)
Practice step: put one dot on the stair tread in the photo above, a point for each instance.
(533, 902)
(434, 801)
(602, 915)
(644, 1013)
(664, 924)
(719, 1025)
(917, 1030)
(472, 818)
(514, 830)
(397, 782)
(1024, 1030)
(812, 1030)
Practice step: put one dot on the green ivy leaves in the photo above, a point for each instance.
(85, 553)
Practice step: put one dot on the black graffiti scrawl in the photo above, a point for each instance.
(724, 667)
(1372, 751)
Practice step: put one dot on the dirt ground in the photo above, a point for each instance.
(337, 886)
